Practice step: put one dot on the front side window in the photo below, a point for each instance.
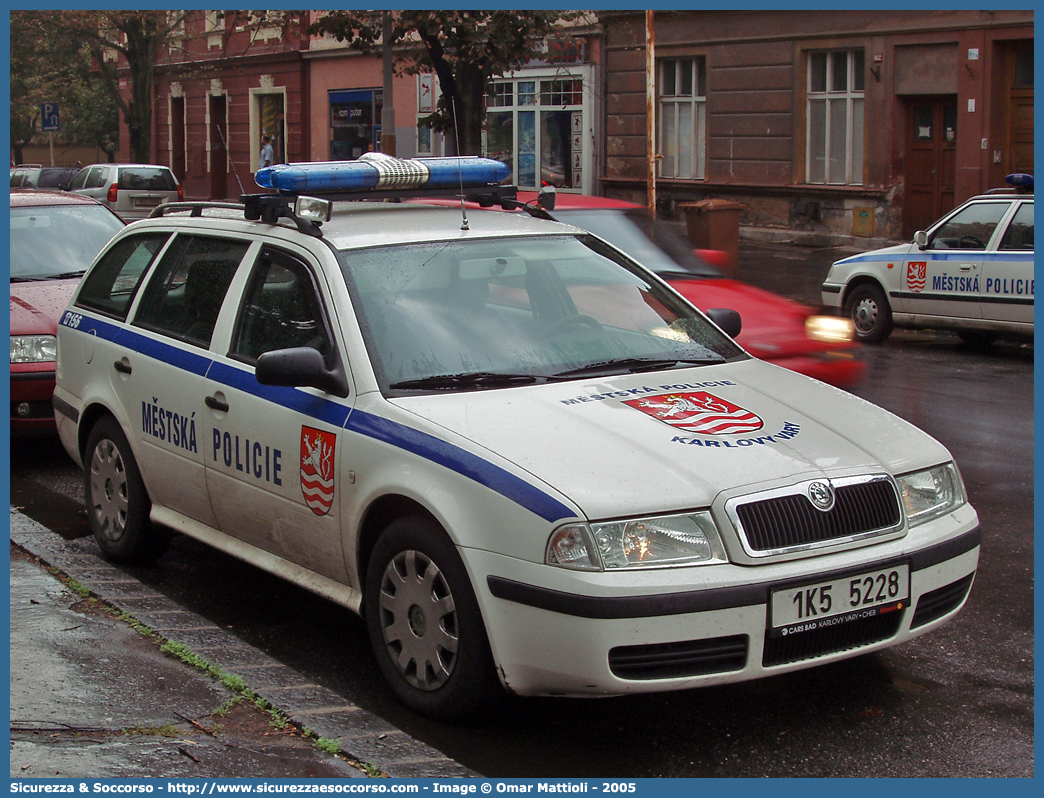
(111, 285)
(281, 310)
(186, 292)
(682, 118)
(969, 228)
(499, 312)
(834, 117)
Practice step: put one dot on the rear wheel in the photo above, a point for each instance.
(117, 504)
(871, 314)
(424, 622)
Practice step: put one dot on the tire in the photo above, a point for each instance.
(977, 339)
(424, 622)
(117, 504)
(870, 312)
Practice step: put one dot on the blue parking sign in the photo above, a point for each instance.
(49, 119)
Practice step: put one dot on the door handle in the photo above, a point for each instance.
(123, 368)
(216, 404)
(966, 267)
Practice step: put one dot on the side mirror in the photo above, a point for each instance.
(921, 239)
(727, 319)
(300, 367)
(546, 198)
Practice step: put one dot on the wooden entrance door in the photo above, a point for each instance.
(931, 162)
(218, 150)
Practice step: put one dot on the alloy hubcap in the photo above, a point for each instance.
(419, 620)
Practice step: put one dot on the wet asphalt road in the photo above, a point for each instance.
(957, 702)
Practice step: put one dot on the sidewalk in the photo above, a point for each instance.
(92, 697)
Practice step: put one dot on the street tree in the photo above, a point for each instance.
(465, 49)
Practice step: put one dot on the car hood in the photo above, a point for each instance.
(606, 443)
(897, 251)
(37, 306)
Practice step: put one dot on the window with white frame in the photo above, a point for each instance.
(834, 141)
(682, 119)
(535, 125)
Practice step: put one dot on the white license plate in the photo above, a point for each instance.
(839, 601)
(145, 202)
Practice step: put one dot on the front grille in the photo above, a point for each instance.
(676, 660)
(831, 639)
(785, 522)
(934, 605)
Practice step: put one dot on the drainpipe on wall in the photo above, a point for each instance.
(388, 109)
(650, 111)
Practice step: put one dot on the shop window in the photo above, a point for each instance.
(536, 128)
(355, 123)
(834, 117)
(682, 119)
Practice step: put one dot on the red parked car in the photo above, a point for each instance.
(774, 329)
(54, 238)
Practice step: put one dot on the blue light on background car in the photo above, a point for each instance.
(374, 170)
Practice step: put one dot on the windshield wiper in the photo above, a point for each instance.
(636, 365)
(474, 379)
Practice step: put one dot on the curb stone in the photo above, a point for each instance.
(361, 735)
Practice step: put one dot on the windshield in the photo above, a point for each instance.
(650, 242)
(58, 240)
(489, 313)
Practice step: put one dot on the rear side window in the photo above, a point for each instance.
(185, 294)
(1019, 235)
(111, 285)
(146, 178)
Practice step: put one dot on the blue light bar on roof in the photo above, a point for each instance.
(378, 171)
(1020, 180)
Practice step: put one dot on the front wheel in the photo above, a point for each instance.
(424, 622)
(870, 312)
(117, 503)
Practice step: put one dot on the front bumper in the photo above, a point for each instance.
(656, 633)
(831, 294)
(31, 389)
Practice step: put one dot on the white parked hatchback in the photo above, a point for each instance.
(523, 458)
(972, 271)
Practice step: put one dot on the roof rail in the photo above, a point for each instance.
(195, 208)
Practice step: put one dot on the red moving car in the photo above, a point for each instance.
(775, 329)
(54, 238)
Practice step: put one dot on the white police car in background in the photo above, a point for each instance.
(972, 271)
(522, 457)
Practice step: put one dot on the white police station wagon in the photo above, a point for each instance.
(972, 272)
(525, 460)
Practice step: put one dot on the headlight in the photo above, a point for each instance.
(829, 329)
(690, 539)
(33, 348)
(929, 494)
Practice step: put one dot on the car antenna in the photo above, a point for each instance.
(460, 172)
